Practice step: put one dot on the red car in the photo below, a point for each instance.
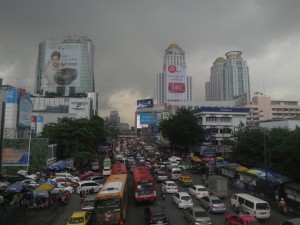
(240, 219)
(89, 173)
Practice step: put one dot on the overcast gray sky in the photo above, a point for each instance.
(130, 37)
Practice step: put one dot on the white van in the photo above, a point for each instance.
(252, 205)
(174, 173)
(86, 185)
(68, 176)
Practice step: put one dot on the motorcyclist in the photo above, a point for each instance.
(282, 205)
(162, 192)
(240, 209)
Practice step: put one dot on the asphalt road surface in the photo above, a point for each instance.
(59, 214)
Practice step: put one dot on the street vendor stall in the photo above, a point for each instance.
(41, 199)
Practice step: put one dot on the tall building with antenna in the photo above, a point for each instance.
(173, 84)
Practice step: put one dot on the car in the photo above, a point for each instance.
(106, 171)
(31, 183)
(198, 191)
(28, 176)
(156, 215)
(80, 218)
(212, 204)
(160, 176)
(88, 202)
(185, 181)
(196, 215)
(235, 219)
(4, 184)
(182, 200)
(61, 188)
(170, 186)
(89, 173)
(65, 181)
(98, 179)
(293, 221)
(183, 166)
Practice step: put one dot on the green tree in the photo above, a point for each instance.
(76, 135)
(182, 129)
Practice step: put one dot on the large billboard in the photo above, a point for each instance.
(25, 111)
(144, 103)
(176, 84)
(61, 67)
(138, 122)
(149, 118)
(80, 107)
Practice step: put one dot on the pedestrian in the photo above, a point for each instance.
(2, 203)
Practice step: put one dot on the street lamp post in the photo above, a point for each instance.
(265, 153)
(29, 143)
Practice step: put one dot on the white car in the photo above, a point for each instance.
(31, 183)
(61, 188)
(182, 200)
(198, 191)
(170, 186)
(106, 171)
(3, 185)
(29, 176)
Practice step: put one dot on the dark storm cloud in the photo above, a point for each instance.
(130, 38)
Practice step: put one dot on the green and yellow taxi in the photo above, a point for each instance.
(185, 181)
(80, 218)
(183, 166)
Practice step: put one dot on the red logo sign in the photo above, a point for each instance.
(176, 87)
(172, 69)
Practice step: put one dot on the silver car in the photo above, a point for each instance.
(212, 204)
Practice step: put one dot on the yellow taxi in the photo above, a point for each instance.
(185, 181)
(80, 218)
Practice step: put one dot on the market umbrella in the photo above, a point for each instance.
(196, 159)
(233, 166)
(16, 187)
(40, 193)
(46, 187)
(241, 168)
(254, 171)
(207, 158)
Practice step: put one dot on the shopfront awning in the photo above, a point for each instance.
(196, 159)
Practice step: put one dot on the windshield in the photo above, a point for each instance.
(176, 172)
(186, 198)
(105, 204)
(158, 216)
(171, 184)
(200, 214)
(76, 220)
(145, 188)
(262, 206)
(216, 201)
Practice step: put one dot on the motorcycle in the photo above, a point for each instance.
(283, 209)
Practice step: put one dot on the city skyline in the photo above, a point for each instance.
(130, 38)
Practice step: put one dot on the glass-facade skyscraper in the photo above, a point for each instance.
(65, 66)
(229, 79)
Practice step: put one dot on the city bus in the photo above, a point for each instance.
(144, 185)
(111, 201)
(118, 168)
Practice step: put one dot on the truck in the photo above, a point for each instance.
(217, 185)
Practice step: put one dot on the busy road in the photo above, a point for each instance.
(59, 214)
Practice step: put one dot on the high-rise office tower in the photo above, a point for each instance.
(173, 85)
(229, 79)
(65, 66)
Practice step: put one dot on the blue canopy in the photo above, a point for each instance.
(16, 187)
(59, 165)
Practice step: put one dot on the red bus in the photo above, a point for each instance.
(144, 185)
(118, 168)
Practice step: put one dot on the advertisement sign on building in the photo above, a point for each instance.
(25, 111)
(61, 68)
(145, 103)
(138, 122)
(176, 84)
(148, 118)
(81, 107)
